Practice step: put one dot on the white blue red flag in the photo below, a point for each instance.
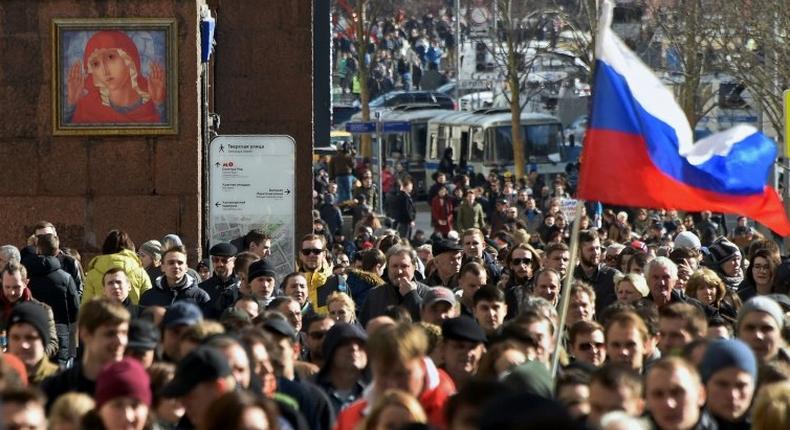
(639, 148)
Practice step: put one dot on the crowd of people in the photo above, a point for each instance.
(409, 53)
(673, 323)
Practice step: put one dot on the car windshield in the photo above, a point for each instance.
(381, 100)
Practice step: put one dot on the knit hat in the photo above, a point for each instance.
(33, 314)
(260, 268)
(172, 239)
(761, 304)
(153, 248)
(722, 250)
(125, 378)
(143, 335)
(723, 354)
(687, 240)
(531, 377)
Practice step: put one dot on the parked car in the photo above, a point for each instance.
(398, 98)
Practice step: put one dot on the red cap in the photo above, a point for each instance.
(125, 378)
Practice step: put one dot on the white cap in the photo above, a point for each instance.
(687, 240)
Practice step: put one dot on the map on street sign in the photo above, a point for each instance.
(252, 187)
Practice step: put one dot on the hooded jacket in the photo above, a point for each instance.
(164, 295)
(126, 260)
(53, 286)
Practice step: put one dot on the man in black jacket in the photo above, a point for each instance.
(592, 271)
(67, 262)
(223, 286)
(52, 285)
(104, 328)
(175, 284)
(401, 290)
(404, 211)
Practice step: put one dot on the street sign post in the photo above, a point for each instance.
(252, 186)
(361, 127)
(395, 127)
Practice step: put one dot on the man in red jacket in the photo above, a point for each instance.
(398, 360)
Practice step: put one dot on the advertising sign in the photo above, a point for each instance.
(252, 187)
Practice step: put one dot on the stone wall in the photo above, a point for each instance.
(262, 79)
(87, 185)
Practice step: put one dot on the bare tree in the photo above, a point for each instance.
(520, 40)
(755, 47)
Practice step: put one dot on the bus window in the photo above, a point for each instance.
(503, 142)
(419, 137)
(478, 150)
(432, 147)
(441, 142)
(543, 139)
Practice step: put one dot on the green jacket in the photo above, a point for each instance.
(469, 217)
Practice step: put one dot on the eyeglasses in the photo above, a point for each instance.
(519, 261)
(590, 345)
(314, 251)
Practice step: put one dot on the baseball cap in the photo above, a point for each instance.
(279, 327)
(182, 313)
(201, 365)
(463, 328)
(439, 294)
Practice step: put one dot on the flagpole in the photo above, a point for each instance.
(604, 19)
(566, 288)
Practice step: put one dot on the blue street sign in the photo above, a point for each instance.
(361, 127)
(395, 127)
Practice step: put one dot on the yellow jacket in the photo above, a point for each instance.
(126, 260)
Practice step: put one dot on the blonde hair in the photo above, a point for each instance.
(639, 282)
(104, 93)
(344, 299)
(772, 407)
(395, 398)
(705, 277)
(398, 343)
(69, 409)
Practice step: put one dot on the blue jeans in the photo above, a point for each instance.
(344, 183)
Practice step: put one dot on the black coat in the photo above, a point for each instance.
(163, 295)
(602, 282)
(52, 285)
(379, 298)
(403, 209)
(222, 295)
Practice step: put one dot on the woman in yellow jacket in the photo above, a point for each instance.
(117, 251)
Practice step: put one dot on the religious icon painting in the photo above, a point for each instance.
(114, 76)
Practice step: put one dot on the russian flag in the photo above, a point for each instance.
(639, 148)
